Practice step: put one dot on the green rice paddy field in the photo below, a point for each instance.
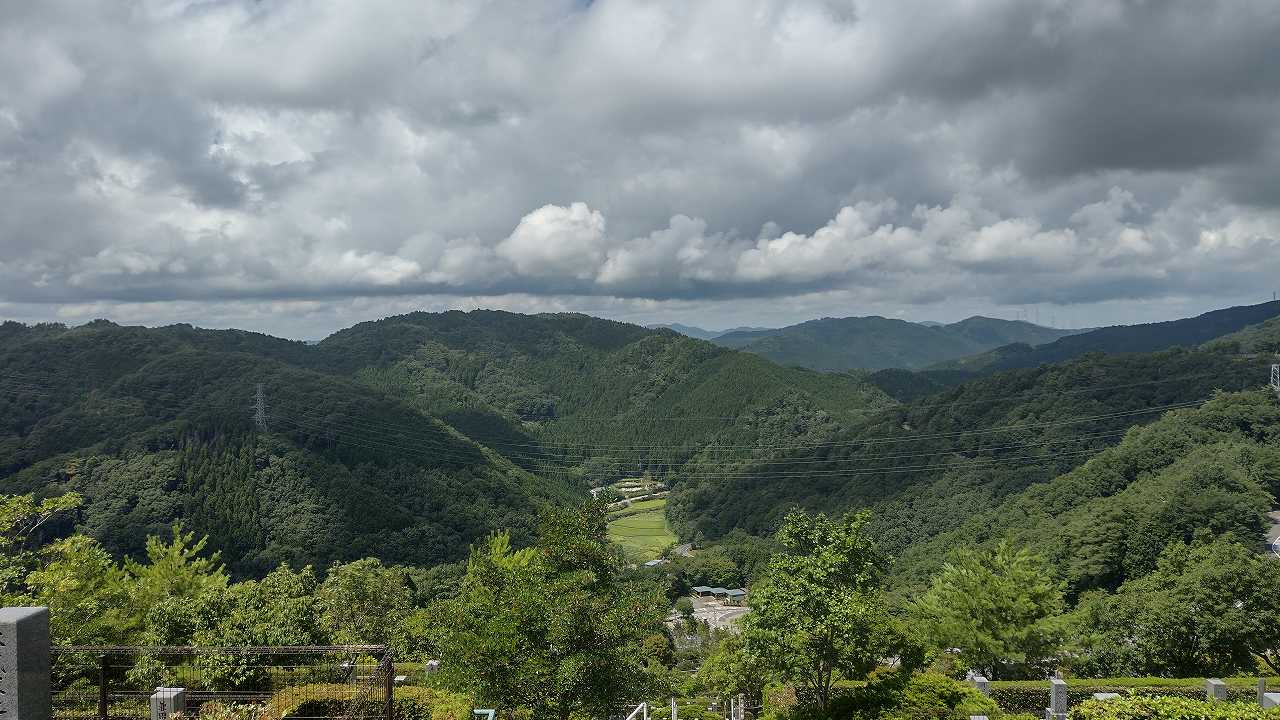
(642, 529)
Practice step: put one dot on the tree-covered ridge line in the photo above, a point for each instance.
(938, 461)
(1143, 338)
(413, 437)
(167, 433)
(1214, 468)
(875, 343)
(407, 438)
(562, 627)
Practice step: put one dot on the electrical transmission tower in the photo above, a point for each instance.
(1275, 380)
(260, 408)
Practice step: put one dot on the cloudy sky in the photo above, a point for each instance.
(296, 166)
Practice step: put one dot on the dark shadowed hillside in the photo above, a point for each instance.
(932, 464)
(1149, 337)
(1214, 467)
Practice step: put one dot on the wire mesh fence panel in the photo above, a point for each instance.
(229, 683)
(373, 695)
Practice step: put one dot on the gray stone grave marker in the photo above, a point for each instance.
(1270, 700)
(1057, 709)
(982, 684)
(166, 702)
(25, 664)
(1105, 696)
(1215, 689)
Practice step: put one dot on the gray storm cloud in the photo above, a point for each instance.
(655, 152)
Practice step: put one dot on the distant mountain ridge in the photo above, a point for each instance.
(876, 343)
(1147, 337)
(700, 333)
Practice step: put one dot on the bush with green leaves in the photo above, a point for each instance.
(937, 697)
(1169, 708)
(1031, 696)
(332, 700)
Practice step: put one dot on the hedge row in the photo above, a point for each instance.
(1035, 698)
(408, 703)
(1170, 708)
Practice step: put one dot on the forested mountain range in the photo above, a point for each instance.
(155, 425)
(689, 330)
(411, 437)
(873, 343)
(1211, 469)
(1147, 337)
(931, 466)
(405, 439)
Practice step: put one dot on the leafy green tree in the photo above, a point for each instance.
(684, 606)
(280, 609)
(819, 613)
(87, 593)
(20, 518)
(1209, 608)
(173, 587)
(1002, 609)
(366, 602)
(729, 670)
(554, 629)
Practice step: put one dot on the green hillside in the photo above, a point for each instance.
(153, 426)
(1213, 468)
(412, 437)
(1261, 338)
(1149, 337)
(407, 439)
(570, 393)
(873, 343)
(928, 466)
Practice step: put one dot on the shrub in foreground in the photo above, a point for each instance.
(1140, 707)
(410, 703)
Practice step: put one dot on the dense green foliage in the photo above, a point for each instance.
(1001, 610)
(1150, 337)
(589, 397)
(1261, 338)
(940, 471)
(318, 701)
(873, 343)
(555, 629)
(819, 613)
(406, 439)
(151, 426)
(1214, 468)
(1208, 608)
(1099, 515)
(937, 697)
(1169, 708)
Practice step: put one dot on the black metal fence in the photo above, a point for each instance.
(346, 682)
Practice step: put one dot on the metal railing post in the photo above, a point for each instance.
(102, 687)
(389, 685)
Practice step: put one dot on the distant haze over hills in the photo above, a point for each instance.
(700, 333)
(875, 343)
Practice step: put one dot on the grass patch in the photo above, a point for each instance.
(638, 508)
(643, 531)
